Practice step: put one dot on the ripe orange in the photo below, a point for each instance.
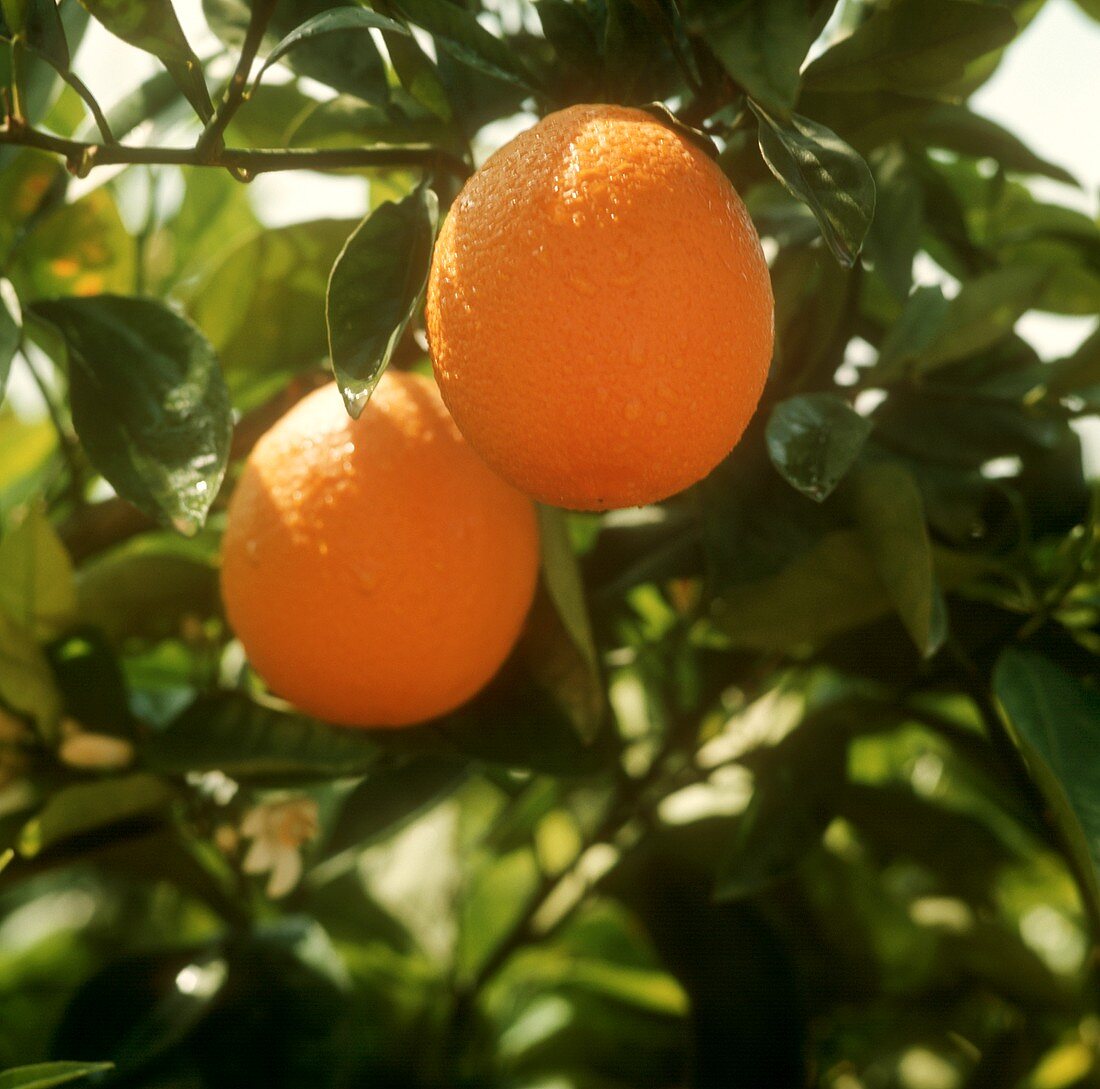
(376, 570)
(599, 310)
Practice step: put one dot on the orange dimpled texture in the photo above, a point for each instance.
(376, 570)
(600, 313)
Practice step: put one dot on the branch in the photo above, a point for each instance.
(83, 157)
(211, 137)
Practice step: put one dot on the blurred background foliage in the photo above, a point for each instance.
(794, 780)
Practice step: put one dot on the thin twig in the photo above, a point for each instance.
(78, 85)
(81, 157)
(65, 439)
(234, 96)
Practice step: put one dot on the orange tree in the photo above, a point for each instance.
(791, 778)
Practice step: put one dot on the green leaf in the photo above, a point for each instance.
(89, 807)
(374, 290)
(148, 401)
(984, 311)
(263, 309)
(77, 249)
(890, 512)
(152, 25)
(392, 797)
(832, 588)
(48, 1075)
(794, 790)
(459, 32)
(909, 337)
(231, 733)
(895, 235)
(37, 586)
(823, 172)
(813, 440)
(333, 21)
(418, 74)
(1079, 371)
(957, 128)
(561, 573)
(349, 63)
(762, 43)
(39, 24)
(26, 681)
(11, 330)
(1055, 721)
(912, 46)
(1090, 7)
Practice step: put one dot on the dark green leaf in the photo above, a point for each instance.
(49, 1075)
(390, 798)
(912, 46)
(88, 807)
(231, 733)
(152, 25)
(1079, 371)
(813, 440)
(458, 32)
(335, 20)
(895, 234)
(984, 311)
(374, 289)
(563, 580)
(11, 330)
(832, 588)
(1056, 722)
(418, 74)
(957, 128)
(822, 171)
(890, 512)
(909, 337)
(762, 43)
(39, 24)
(148, 401)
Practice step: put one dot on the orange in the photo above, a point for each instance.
(376, 571)
(599, 310)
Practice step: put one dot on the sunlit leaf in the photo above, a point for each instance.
(26, 682)
(49, 1075)
(149, 402)
(374, 289)
(87, 807)
(37, 588)
(823, 172)
(11, 330)
(813, 440)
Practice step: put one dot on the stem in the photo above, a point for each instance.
(211, 138)
(82, 157)
(78, 85)
(64, 438)
(18, 113)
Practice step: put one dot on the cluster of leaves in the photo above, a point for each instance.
(791, 780)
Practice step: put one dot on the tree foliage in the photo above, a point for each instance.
(792, 779)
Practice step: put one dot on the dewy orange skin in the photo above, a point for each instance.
(600, 312)
(376, 570)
